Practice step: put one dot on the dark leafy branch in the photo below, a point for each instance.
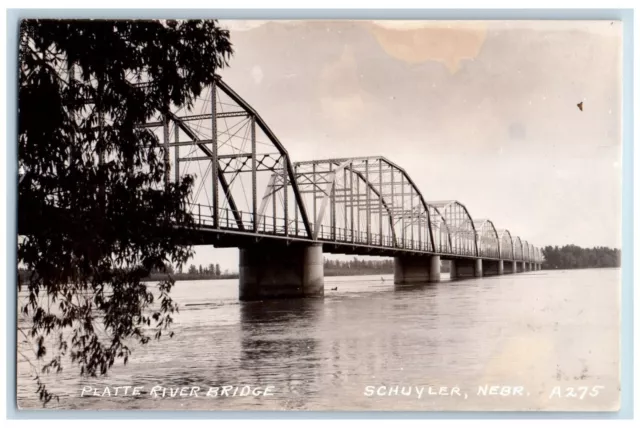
(98, 214)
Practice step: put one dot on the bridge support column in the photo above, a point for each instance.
(412, 269)
(434, 269)
(514, 267)
(477, 271)
(507, 266)
(453, 270)
(500, 267)
(271, 272)
(489, 267)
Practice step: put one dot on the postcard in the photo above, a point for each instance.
(319, 215)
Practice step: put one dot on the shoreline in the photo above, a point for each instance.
(350, 272)
(193, 277)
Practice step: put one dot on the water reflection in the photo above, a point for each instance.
(533, 329)
(278, 335)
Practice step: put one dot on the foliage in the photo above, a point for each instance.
(356, 266)
(96, 212)
(574, 257)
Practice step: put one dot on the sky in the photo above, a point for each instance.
(481, 112)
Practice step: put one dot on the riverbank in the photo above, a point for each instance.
(200, 277)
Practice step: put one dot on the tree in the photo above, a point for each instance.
(193, 270)
(168, 268)
(218, 270)
(572, 257)
(95, 206)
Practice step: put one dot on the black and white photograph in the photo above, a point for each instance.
(319, 215)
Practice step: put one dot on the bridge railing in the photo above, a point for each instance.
(230, 219)
(270, 225)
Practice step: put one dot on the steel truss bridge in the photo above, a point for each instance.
(248, 189)
(283, 215)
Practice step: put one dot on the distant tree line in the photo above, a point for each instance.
(331, 268)
(574, 257)
(193, 273)
(357, 267)
(213, 271)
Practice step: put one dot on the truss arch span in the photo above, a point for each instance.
(487, 238)
(370, 198)
(525, 251)
(506, 245)
(517, 249)
(461, 227)
(236, 159)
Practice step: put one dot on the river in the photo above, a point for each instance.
(527, 338)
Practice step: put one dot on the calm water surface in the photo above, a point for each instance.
(537, 330)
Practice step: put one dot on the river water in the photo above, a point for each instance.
(551, 337)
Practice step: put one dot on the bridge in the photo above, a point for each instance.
(283, 215)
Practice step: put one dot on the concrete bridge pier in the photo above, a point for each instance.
(490, 267)
(467, 268)
(434, 269)
(477, 270)
(500, 267)
(281, 271)
(453, 270)
(507, 266)
(416, 269)
(410, 270)
(514, 267)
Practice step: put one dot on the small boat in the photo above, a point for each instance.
(334, 289)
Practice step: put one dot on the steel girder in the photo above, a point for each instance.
(461, 227)
(525, 251)
(506, 245)
(518, 250)
(367, 200)
(487, 238)
(364, 200)
(224, 135)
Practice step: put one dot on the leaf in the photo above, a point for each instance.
(93, 230)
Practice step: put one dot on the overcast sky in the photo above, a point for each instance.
(481, 112)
